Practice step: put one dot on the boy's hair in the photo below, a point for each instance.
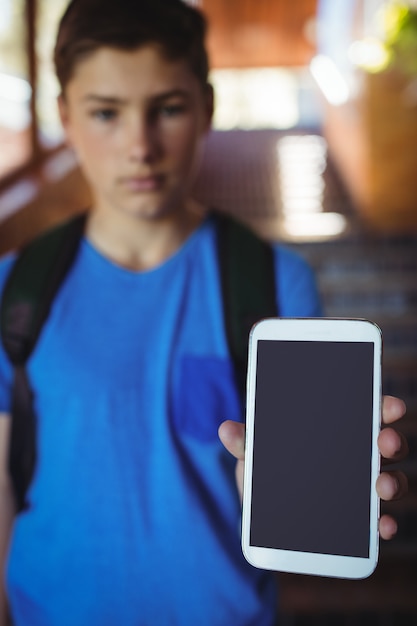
(87, 25)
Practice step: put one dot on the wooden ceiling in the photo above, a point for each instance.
(260, 33)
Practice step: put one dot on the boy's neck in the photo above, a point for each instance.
(142, 244)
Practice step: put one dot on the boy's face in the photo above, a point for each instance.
(136, 122)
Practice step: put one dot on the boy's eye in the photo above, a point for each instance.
(104, 115)
(171, 110)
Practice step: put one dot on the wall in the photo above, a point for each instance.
(261, 33)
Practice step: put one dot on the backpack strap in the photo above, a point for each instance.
(248, 285)
(26, 301)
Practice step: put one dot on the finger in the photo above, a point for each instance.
(393, 409)
(391, 485)
(392, 445)
(387, 527)
(239, 471)
(232, 436)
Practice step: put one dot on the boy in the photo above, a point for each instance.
(133, 514)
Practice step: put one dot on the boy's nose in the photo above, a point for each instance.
(143, 144)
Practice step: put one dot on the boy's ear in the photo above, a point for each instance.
(209, 102)
(63, 114)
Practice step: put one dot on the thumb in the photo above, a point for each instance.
(232, 436)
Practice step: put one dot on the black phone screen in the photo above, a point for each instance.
(312, 447)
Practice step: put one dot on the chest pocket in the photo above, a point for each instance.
(204, 396)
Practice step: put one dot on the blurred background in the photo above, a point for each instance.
(314, 144)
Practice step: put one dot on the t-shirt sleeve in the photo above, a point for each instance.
(6, 372)
(297, 290)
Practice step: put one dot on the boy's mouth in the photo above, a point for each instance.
(151, 182)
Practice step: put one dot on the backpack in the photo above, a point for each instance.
(248, 291)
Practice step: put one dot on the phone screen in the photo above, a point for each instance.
(312, 447)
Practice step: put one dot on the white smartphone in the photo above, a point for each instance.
(313, 416)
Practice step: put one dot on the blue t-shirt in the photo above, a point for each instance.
(134, 513)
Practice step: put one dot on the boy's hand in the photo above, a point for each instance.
(392, 445)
